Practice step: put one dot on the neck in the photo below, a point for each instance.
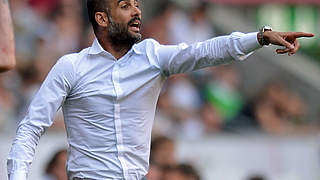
(117, 49)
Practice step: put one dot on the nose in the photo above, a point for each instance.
(136, 12)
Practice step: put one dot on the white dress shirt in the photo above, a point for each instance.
(109, 104)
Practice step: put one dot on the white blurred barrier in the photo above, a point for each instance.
(226, 157)
(220, 157)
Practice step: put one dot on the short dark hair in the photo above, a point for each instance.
(257, 177)
(184, 169)
(94, 6)
(188, 171)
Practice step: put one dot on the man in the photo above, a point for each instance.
(7, 56)
(109, 92)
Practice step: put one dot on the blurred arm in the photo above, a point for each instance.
(7, 50)
(220, 50)
(39, 117)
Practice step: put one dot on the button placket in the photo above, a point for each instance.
(116, 78)
(117, 118)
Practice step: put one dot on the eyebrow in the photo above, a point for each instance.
(121, 0)
(127, 1)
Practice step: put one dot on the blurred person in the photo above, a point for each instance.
(155, 172)
(44, 58)
(257, 177)
(278, 108)
(171, 172)
(222, 91)
(29, 26)
(56, 167)
(186, 102)
(7, 101)
(184, 94)
(164, 13)
(28, 86)
(65, 37)
(211, 119)
(180, 172)
(166, 116)
(275, 109)
(177, 116)
(191, 25)
(44, 7)
(109, 91)
(7, 49)
(162, 151)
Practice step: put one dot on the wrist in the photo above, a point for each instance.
(263, 37)
(18, 175)
(266, 38)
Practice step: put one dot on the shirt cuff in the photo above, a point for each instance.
(18, 175)
(249, 42)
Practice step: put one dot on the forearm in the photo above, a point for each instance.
(23, 149)
(40, 117)
(7, 49)
(220, 50)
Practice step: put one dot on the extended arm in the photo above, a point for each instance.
(221, 50)
(39, 117)
(7, 50)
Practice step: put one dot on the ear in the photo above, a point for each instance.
(102, 19)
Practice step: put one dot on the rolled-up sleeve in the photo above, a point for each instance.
(220, 50)
(39, 117)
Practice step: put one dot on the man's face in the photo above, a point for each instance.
(124, 21)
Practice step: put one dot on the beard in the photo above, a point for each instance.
(119, 34)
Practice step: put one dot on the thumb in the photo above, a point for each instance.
(285, 43)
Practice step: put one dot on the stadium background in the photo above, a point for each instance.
(260, 116)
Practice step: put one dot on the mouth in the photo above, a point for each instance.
(135, 26)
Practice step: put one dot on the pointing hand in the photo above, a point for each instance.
(287, 39)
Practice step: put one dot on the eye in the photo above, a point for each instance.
(125, 6)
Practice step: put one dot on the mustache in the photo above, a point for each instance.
(134, 19)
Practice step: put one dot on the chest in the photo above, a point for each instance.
(111, 81)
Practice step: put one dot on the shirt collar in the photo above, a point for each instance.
(136, 49)
(96, 48)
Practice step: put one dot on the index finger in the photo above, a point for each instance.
(302, 34)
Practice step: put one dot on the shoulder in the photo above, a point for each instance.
(147, 46)
(73, 59)
(147, 43)
(151, 41)
(67, 64)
